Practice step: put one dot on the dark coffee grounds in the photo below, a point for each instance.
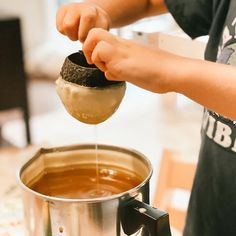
(76, 70)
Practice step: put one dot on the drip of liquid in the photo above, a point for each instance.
(88, 180)
(98, 189)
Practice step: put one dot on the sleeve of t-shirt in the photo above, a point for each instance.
(193, 16)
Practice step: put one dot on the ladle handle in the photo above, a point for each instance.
(136, 214)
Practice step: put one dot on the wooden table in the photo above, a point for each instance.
(11, 208)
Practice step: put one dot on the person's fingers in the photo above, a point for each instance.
(94, 36)
(60, 19)
(87, 22)
(71, 24)
(101, 66)
(110, 76)
(103, 22)
(102, 54)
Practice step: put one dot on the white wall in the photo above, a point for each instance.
(42, 42)
(34, 16)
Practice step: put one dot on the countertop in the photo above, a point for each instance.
(11, 207)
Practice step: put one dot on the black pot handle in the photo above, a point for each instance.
(135, 214)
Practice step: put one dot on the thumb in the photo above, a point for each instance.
(110, 76)
(102, 55)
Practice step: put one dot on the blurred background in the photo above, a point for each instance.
(43, 53)
(31, 114)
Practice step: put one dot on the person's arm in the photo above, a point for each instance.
(75, 20)
(124, 12)
(210, 84)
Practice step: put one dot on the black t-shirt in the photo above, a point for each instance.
(212, 206)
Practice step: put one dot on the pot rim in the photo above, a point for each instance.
(133, 192)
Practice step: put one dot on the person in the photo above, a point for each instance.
(210, 82)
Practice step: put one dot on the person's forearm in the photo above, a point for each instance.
(128, 11)
(211, 84)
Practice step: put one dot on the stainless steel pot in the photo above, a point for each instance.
(127, 213)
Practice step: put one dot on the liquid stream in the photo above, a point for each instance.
(85, 181)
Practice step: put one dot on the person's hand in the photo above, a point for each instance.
(76, 19)
(126, 60)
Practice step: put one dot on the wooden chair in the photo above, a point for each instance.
(13, 79)
(174, 173)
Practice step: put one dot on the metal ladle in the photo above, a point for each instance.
(85, 92)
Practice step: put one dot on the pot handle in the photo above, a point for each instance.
(135, 214)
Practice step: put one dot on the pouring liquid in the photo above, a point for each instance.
(86, 181)
(97, 192)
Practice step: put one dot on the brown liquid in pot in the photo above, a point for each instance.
(81, 182)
